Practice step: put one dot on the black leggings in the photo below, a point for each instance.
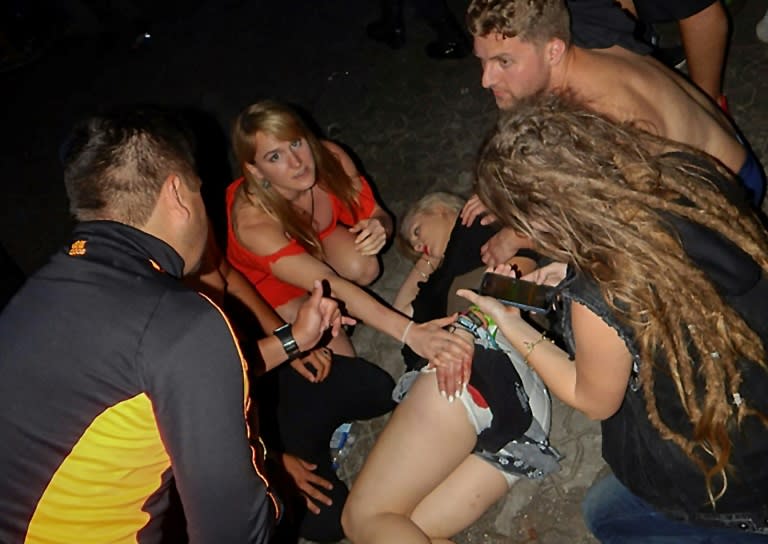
(298, 417)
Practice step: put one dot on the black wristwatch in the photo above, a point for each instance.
(285, 335)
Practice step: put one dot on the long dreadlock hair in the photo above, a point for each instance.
(594, 194)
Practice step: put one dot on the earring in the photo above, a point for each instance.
(265, 183)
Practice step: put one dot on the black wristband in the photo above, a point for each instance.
(285, 335)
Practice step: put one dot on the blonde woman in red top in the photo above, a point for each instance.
(303, 212)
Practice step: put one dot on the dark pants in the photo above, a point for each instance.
(298, 417)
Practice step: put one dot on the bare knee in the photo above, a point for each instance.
(362, 270)
(353, 518)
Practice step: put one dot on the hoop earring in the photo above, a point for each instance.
(265, 183)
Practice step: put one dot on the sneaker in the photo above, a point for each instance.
(762, 28)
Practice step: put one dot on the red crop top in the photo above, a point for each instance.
(258, 268)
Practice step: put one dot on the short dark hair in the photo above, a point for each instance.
(116, 162)
(535, 21)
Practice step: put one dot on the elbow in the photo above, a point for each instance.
(600, 412)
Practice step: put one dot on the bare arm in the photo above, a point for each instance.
(427, 339)
(595, 381)
(217, 278)
(420, 272)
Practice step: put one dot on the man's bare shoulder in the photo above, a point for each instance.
(619, 84)
(640, 90)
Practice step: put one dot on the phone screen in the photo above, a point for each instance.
(522, 294)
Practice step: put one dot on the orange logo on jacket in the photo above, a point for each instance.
(77, 248)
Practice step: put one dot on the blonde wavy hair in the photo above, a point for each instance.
(428, 204)
(282, 122)
(595, 194)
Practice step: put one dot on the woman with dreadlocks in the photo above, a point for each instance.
(663, 300)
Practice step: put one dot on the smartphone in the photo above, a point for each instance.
(525, 295)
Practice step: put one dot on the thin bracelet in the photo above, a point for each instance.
(405, 332)
(529, 346)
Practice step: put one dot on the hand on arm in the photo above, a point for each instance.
(473, 209)
(428, 340)
(502, 246)
(449, 376)
(451, 354)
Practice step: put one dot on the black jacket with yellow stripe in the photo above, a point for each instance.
(115, 378)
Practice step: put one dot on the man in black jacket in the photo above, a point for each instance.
(115, 378)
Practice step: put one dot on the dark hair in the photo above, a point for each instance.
(116, 162)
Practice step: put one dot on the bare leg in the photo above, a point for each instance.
(705, 36)
(424, 441)
(419, 467)
(480, 485)
(340, 254)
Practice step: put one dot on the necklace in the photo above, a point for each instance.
(311, 210)
(312, 205)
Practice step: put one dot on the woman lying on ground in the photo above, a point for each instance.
(438, 466)
(453, 460)
(662, 273)
(303, 212)
(446, 256)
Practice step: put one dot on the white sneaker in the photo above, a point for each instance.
(762, 28)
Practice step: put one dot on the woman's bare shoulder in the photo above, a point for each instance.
(258, 231)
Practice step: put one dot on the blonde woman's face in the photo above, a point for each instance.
(288, 165)
(430, 231)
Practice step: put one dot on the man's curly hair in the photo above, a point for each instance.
(534, 21)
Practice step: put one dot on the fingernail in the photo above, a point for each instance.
(442, 393)
(450, 398)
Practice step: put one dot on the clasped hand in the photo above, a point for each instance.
(371, 236)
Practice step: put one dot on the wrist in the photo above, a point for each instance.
(284, 333)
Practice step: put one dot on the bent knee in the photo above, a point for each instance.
(353, 518)
(362, 270)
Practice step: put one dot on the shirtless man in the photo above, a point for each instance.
(525, 48)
